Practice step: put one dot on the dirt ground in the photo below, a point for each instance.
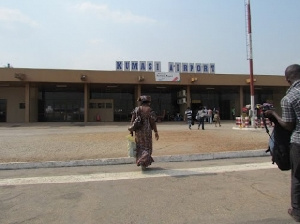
(64, 143)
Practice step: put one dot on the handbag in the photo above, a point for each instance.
(137, 123)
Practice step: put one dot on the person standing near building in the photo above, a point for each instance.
(201, 115)
(217, 118)
(205, 118)
(290, 106)
(189, 117)
(143, 136)
(209, 115)
(233, 113)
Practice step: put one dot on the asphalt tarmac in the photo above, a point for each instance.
(237, 190)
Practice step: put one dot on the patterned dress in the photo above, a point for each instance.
(143, 138)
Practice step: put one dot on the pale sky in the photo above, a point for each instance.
(94, 34)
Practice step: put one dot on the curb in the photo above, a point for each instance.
(130, 160)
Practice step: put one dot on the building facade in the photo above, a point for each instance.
(57, 95)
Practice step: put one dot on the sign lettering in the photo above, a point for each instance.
(155, 66)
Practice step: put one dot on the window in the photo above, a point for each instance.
(108, 105)
(101, 105)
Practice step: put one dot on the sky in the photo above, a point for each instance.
(94, 34)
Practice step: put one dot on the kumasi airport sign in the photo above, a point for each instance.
(155, 66)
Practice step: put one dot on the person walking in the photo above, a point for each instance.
(143, 136)
(189, 117)
(290, 107)
(201, 115)
(217, 118)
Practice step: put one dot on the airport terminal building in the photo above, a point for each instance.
(59, 95)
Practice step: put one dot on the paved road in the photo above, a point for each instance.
(227, 191)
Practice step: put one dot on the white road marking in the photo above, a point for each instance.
(134, 175)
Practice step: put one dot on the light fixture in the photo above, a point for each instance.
(248, 80)
(112, 86)
(61, 86)
(20, 76)
(83, 77)
(194, 79)
(141, 78)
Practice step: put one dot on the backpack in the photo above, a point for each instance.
(279, 145)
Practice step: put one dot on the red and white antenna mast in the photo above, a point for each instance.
(250, 57)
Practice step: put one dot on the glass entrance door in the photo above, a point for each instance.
(61, 106)
(60, 110)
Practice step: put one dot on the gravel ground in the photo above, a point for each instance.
(38, 142)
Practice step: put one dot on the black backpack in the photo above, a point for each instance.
(279, 145)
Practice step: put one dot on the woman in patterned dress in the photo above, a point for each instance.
(143, 136)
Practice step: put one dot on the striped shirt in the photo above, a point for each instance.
(290, 105)
(189, 114)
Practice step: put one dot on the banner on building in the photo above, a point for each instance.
(167, 76)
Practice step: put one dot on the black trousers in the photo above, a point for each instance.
(201, 122)
(295, 178)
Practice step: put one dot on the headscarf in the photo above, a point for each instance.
(144, 98)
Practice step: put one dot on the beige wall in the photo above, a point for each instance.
(106, 114)
(14, 96)
(119, 77)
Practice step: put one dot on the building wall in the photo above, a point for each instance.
(14, 96)
(102, 109)
(119, 77)
(14, 80)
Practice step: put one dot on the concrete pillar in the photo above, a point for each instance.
(188, 102)
(188, 96)
(33, 104)
(86, 102)
(241, 100)
(137, 93)
(27, 103)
